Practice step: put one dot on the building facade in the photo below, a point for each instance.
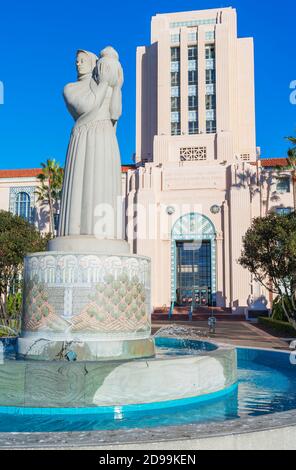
(198, 180)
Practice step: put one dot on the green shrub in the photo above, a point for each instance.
(278, 312)
(278, 326)
(10, 325)
(14, 304)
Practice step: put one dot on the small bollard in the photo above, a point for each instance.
(212, 325)
(191, 313)
(171, 311)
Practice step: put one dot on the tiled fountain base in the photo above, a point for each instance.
(94, 306)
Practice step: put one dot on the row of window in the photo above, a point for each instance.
(210, 53)
(192, 77)
(192, 37)
(188, 24)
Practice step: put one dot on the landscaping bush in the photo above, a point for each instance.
(10, 325)
(278, 326)
(278, 312)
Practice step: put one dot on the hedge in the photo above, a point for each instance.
(278, 326)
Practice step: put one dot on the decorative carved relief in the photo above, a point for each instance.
(193, 153)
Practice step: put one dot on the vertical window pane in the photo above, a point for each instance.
(22, 205)
(175, 78)
(210, 102)
(192, 127)
(210, 52)
(210, 77)
(192, 53)
(175, 103)
(192, 102)
(175, 128)
(211, 127)
(192, 77)
(175, 54)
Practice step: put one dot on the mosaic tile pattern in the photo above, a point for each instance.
(87, 293)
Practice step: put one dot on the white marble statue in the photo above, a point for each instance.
(93, 168)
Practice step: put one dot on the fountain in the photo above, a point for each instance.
(86, 336)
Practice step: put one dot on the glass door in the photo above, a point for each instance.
(193, 273)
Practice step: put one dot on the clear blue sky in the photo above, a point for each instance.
(39, 40)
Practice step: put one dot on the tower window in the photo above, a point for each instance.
(175, 128)
(175, 103)
(210, 77)
(192, 77)
(192, 103)
(211, 127)
(192, 53)
(175, 54)
(210, 102)
(210, 52)
(192, 127)
(175, 78)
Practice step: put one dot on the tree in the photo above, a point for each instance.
(269, 253)
(17, 238)
(292, 140)
(50, 189)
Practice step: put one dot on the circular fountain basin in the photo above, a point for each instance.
(184, 370)
(258, 413)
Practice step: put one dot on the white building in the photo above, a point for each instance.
(198, 180)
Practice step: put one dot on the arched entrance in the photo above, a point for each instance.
(193, 254)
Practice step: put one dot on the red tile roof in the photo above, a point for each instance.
(271, 162)
(33, 172)
(30, 172)
(125, 168)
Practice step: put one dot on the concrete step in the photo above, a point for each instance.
(200, 314)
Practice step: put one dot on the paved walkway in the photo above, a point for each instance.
(232, 332)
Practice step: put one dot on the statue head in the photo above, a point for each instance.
(85, 63)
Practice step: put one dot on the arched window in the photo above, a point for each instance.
(23, 205)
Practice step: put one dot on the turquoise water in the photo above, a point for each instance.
(267, 384)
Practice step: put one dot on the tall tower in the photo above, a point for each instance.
(195, 90)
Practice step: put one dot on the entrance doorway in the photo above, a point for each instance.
(194, 273)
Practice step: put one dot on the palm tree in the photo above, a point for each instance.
(291, 167)
(50, 189)
(292, 140)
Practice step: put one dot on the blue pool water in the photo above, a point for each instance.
(267, 384)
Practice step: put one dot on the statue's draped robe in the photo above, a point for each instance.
(93, 168)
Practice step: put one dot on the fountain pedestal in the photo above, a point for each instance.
(86, 306)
